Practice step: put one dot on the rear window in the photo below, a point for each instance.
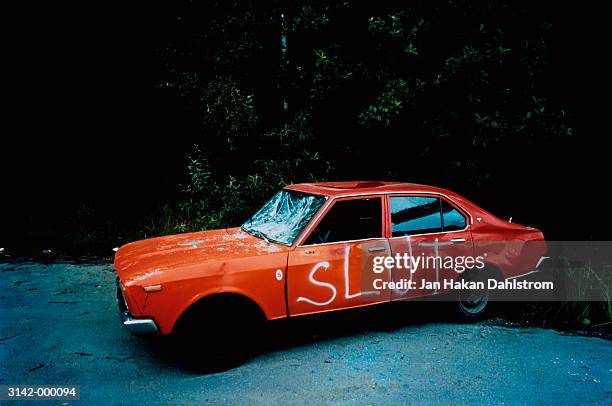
(415, 215)
(452, 220)
(423, 215)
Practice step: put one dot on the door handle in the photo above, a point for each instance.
(457, 240)
(376, 249)
(309, 252)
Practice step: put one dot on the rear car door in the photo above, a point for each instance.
(331, 268)
(430, 231)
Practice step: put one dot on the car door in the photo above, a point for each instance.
(332, 267)
(427, 230)
(455, 243)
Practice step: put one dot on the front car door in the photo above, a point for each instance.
(331, 268)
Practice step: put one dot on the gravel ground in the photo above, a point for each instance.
(59, 325)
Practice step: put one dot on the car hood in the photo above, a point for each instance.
(147, 261)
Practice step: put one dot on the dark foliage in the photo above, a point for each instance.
(443, 92)
(499, 101)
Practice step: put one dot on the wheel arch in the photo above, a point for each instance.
(493, 270)
(219, 299)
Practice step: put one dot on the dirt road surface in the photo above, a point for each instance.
(59, 325)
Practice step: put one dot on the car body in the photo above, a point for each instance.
(310, 249)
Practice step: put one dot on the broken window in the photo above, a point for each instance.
(284, 216)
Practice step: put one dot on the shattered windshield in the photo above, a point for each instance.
(284, 216)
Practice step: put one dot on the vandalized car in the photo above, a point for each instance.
(317, 247)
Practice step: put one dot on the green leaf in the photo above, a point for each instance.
(411, 49)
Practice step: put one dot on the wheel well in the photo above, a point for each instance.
(221, 306)
(493, 271)
(489, 270)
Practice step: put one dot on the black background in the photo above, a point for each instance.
(85, 123)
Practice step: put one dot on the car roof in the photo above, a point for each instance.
(348, 188)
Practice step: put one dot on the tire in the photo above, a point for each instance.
(219, 334)
(474, 305)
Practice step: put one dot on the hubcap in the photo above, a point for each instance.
(474, 302)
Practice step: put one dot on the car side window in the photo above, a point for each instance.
(347, 220)
(451, 218)
(415, 215)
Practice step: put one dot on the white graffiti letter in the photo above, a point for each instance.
(311, 278)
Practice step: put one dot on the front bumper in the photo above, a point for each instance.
(138, 326)
(134, 326)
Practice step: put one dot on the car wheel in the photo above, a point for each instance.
(474, 304)
(216, 337)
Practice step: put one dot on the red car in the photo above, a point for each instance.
(319, 247)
